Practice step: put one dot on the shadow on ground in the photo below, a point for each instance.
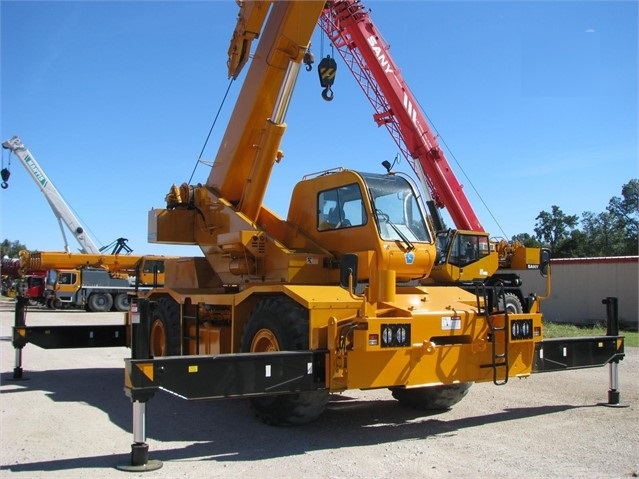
(224, 430)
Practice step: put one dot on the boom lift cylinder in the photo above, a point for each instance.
(268, 149)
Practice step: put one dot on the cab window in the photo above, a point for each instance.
(467, 249)
(66, 278)
(340, 208)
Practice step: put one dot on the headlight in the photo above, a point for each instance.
(521, 329)
(387, 335)
(401, 334)
(395, 335)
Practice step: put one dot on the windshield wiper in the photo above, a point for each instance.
(380, 214)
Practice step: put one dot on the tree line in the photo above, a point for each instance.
(11, 249)
(612, 232)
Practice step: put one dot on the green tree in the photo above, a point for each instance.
(11, 248)
(603, 236)
(554, 227)
(574, 245)
(625, 212)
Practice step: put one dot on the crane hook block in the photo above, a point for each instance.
(5, 174)
(309, 59)
(326, 70)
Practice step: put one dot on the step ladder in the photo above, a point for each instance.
(498, 333)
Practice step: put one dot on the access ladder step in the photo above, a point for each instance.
(494, 365)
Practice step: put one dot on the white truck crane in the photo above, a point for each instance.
(60, 208)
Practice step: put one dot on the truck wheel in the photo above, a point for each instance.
(165, 328)
(279, 324)
(510, 303)
(433, 398)
(100, 302)
(50, 303)
(122, 302)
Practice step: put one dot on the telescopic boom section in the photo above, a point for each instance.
(60, 208)
(364, 51)
(250, 146)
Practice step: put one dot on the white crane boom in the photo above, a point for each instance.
(60, 208)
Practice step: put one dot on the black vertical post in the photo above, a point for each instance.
(19, 341)
(612, 329)
(612, 316)
(140, 328)
(140, 316)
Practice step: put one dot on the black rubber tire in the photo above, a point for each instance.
(512, 304)
(50, 303)
(286, 322)
(432, 398)
(165, 328)
(122, 302)
(100, 302)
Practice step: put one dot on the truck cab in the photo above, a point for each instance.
(375, 216)
(94, 289)
(61, 287)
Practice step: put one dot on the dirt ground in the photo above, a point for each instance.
(70, 419)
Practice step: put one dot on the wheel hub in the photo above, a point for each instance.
(264, 341)
(158, 338)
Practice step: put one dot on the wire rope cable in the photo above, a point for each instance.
(452, 155)
(217, 115)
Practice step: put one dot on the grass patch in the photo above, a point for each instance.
(562, 330)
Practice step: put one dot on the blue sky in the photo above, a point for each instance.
(537, 102)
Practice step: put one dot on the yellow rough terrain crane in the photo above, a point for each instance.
(286, 311)
(324, 281)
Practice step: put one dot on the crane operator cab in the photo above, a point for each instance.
(374, 216)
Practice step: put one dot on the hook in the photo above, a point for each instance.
(308, 60)
(327, 94)
(5, 174)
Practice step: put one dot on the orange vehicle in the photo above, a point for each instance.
(95, 282)
(333, 297)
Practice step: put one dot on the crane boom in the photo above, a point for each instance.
(360, 44)
(250, 146)
(60, 208)
(44, 260)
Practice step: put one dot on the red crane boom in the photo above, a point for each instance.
(361, 46)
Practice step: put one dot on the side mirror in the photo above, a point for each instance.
(348, 269)
(544, 262)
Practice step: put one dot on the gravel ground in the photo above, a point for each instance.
(71, 419)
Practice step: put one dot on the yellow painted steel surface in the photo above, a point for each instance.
(42, 260)
(450, 341)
